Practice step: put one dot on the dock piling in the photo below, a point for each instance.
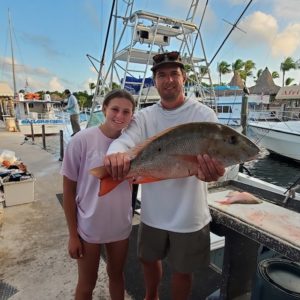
(61, 143)
(44, 137)
(32, 132)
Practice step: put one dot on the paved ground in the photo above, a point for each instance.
(33, 237)
(34, 263)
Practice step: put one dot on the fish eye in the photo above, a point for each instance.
(232, 139)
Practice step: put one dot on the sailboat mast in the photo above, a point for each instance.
(12, 55)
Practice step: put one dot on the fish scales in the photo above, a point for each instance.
(173, 152)
(184, 143)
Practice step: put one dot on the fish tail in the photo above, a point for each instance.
(99, 172)
(107, 184)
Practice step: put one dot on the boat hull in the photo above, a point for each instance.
(282, 138)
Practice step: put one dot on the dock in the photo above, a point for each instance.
(33, 237)
(33, 240)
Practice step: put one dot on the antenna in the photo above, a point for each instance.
(234, 25)
(229, 33)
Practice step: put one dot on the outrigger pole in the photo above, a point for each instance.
(101, 62)
(105, 45)
(229, 33)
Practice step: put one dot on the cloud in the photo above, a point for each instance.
(260, 28)
(55, 85)
(263, 29)
(288, 9)
(287, 42)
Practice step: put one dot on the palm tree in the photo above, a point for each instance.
(92, 86)
(259, 73)
(223, 68)
(285, 66)
(275, 74)
(249, 65)
(238, 65)
(289, 80)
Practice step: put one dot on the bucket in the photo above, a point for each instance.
(277, 279)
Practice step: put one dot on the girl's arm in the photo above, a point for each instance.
(70, 209)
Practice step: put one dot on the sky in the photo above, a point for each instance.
(51, 38)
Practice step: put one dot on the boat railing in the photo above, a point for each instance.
(37, 116)
(274, 115)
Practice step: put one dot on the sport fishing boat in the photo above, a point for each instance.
(32, 114)
(282, 134)
(237, 231)
(281, 137)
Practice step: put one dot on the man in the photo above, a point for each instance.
(174, 214)
(73, 109)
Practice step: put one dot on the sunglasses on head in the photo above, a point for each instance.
(172, 56)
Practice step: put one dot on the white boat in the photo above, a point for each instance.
(282, 137)
(32, 114)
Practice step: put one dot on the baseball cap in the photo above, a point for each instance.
(167, 58)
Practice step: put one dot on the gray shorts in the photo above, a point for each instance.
(186, 252)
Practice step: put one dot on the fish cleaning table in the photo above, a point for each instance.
(246, 227)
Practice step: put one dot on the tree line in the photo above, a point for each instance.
(246, 69)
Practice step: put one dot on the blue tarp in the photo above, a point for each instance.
(226, 88)
(132, 84)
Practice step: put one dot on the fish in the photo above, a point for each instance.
(234, 197)
(172, 153)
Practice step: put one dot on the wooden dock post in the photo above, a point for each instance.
(61, 143)
(32, 132)
(44, 136)
(244, 113)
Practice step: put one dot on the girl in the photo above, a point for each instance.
(94, 221)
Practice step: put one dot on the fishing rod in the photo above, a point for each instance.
(104, 48)
(229, 33)
(102, 60)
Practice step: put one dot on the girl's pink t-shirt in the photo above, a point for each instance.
(99, 219)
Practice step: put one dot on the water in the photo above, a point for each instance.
(274, 169)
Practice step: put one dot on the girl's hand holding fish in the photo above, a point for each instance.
(209, 169)
(117, 165)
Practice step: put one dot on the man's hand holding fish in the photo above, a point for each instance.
(209, 169)
(117, 165)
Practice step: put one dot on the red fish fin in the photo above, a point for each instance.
(107, 184)
(189, 158)
(99, 172)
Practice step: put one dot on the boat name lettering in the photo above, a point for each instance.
(40, 122)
